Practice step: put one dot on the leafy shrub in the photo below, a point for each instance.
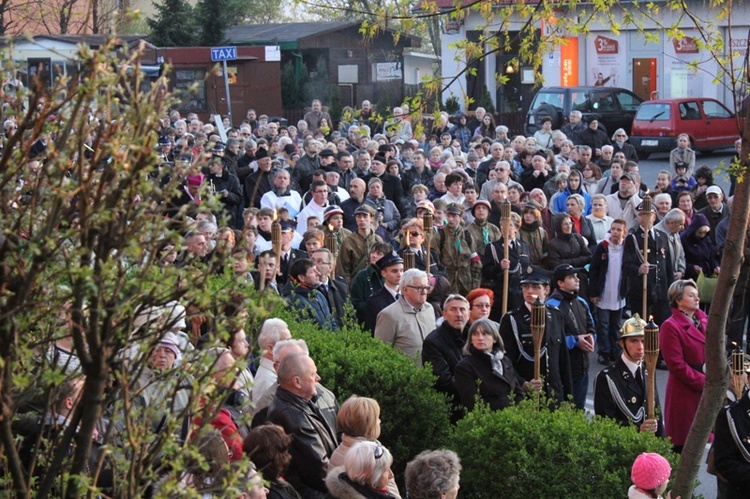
(414, 416)
(526, 452)
(451, 105)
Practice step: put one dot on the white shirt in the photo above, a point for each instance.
(611, 293)
(310, 210)
(292, 202)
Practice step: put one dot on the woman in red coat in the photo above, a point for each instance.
(682, 341)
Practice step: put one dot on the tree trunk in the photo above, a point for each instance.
(717, 378)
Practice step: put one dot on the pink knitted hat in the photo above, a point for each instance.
(650, 470)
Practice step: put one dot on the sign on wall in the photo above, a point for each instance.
(386, 71)
(569, 62)
(605, 56)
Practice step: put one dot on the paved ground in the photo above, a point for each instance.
(649, 169)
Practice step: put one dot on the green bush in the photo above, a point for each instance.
(526, 452)
(414, 416)
(451, 105)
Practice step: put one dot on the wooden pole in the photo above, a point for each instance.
(738, 372)
(332, 245)
(427, 221)
(505, 219)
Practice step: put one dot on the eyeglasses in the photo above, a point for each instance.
(421, 289)
(379, 451)
(415, 234)
(481, 305)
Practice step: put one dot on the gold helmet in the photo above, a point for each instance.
(633, 327)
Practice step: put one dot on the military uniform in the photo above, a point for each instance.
(493, 275)
(353, 254)
(732, 447)
(515, 330)
(455, 248)
(482, 233)
(660, 275)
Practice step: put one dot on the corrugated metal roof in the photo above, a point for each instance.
(251, 34)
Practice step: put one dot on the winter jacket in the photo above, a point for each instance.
(698, 251)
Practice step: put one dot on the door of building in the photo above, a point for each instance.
(644, 78)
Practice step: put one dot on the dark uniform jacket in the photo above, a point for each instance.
(375, 304)
(285, 265)
(493, 275)
(314, 440)
(660, 276)
(515, 330)
(732, 447)
(420, 262)
(619, 395)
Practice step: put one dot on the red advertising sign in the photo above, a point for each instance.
(606, 45)
(686, 45)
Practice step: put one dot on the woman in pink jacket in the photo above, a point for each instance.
(682, 341)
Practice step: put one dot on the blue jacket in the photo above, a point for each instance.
(562, 199)
(311, 304)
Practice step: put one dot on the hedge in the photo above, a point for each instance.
(524, 452)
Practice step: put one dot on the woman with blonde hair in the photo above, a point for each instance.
(359, 420)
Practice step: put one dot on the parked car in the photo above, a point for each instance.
(708, 123)
(613, 107)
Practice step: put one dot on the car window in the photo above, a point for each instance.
(715, 110)
(555, 99)
(689, 110)
(628, 102)
(603, 102)
(653, 112)
(580, 102)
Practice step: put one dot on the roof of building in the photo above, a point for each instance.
(251, 34)
(93, 41)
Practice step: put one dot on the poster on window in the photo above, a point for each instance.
(605, 56)
(689, 70)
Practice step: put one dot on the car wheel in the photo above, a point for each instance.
(548, 110)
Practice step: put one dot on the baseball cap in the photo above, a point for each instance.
(714, 189)
(563, 271)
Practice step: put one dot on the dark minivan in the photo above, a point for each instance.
(612, 107)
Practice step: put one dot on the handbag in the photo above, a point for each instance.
(706, 287)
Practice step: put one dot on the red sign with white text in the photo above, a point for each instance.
(606, 45)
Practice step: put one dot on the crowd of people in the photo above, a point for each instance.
(432, 265)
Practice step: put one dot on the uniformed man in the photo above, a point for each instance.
(355, 248)
(731, 448)
(457, 251)
(515, 330)
(620, 389)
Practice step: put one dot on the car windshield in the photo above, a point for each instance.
(554, 99)
(653, 112)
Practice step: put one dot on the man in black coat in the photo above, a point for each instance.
(307, 164)
(442, 347)
(715, 212)
(515, 330)
(335, 290)
(227, 188)
(314, 436)
(288, 255)
(620, 390)
(658, 268)
(391, 268)
(392, 188)
(595, 137)
(260, 181)
(419, 173)
(580, 336)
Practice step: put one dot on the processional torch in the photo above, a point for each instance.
(646, 212)
(410, 261)
(652, 358)
(332, 245)
(738, 373)
(538, 318)
(427, 225)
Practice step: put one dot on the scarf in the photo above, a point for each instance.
(496, 358)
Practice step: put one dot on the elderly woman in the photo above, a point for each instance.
(359, 420)
(620, 144)
(480, 304)
(682, 341)
(700, 254)
(486, 370)
(267, 447)
(389, 217)
(581, 225)
(365, 474)
(433, 474)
